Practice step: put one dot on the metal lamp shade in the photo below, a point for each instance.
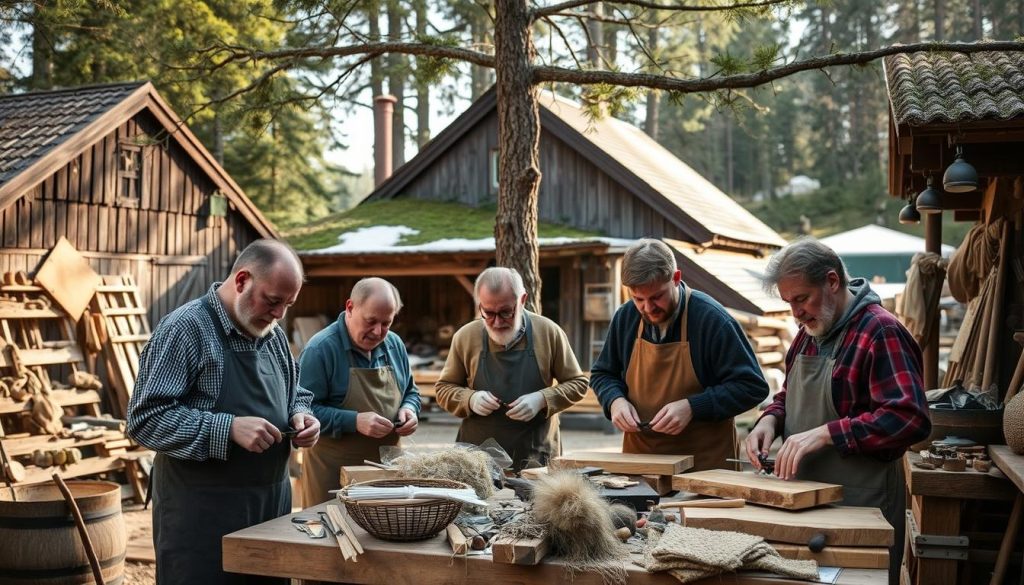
(909, 214)
(928, 201)
(960, 177)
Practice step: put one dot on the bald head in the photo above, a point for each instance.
(265, 255)
(369, 312)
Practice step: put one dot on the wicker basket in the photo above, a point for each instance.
(416, 519)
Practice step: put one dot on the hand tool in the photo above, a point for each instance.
(767, 464)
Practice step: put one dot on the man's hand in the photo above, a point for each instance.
(796, 447)
(624, 416)
(373, 425)
(308, 427)
(760, 439)
(407, 422)
(483, 403)
(253, 433)
(673, 417)
(527, 406)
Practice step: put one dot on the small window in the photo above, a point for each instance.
(129, 174)
(494, 171)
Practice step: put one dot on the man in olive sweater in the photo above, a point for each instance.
(500, 373)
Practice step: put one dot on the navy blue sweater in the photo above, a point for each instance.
(722, 359)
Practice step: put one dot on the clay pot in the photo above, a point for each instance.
(1013, 423)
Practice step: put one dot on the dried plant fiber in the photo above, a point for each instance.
(579, 522)
(469, 466)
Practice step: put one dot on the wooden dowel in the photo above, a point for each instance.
(1003, 558)
(94, 562)
(377, 465)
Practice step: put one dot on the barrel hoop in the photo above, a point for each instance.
(55, 521)
(63, 571)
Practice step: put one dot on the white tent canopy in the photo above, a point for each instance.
(876, 240)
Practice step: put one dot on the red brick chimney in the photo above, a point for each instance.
(383, 109)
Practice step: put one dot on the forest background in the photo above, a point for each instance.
(826, 128)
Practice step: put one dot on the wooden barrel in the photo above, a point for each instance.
(41, 544)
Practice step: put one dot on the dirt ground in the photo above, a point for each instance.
(437, 429)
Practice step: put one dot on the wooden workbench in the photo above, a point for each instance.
(275, 548)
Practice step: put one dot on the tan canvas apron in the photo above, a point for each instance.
(660, 373)
(369, 390)
(866, 481)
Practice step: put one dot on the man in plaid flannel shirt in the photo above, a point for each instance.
(853, 401)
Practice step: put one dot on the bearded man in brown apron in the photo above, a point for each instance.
(217, 386)
(853, 401)
(675, 367)
(501, 371)
(363, 391)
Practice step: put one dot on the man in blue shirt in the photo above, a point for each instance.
(363, 391)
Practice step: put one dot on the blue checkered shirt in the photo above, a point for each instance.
(181, 371)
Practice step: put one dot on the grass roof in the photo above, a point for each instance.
(434, 220)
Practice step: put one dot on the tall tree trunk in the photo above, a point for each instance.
(653, 97)
(218, 137)
(595, 30)
(376, 73)
(940, 20)
(976, 16)
(611, 37)
(480, 77)
(515, 229)
(422, 87)
(730, 174)
(396, 84)
(42, 52)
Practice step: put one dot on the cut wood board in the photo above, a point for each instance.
(842, 525)
(625, 463)
(847, 557)
(759, 489)
(522, 551)
(69, 279)
(356, 473)
(661, 484)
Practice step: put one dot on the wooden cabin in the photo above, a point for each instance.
(117, 172)
(605, 177)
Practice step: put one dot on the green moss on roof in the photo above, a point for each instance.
(434, 220)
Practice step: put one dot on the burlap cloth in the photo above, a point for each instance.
(689, 554)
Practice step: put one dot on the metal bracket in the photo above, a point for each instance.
(934, 546)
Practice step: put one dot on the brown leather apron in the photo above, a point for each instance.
(866, 481)
(509, 375)
(369, 390)
(660, 373)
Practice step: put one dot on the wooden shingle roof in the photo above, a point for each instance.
(955, 87)
(41, 131)
(33, 124)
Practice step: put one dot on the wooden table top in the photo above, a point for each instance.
(275, 548)
(1009, 463)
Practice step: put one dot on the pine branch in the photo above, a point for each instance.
(570, 4)
(242, 55)
(748, 80)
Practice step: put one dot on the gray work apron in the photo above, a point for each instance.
(866, 481)
(198, 502)
(509, 375)
(369, 390)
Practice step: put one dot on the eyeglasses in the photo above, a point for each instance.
(504, 314)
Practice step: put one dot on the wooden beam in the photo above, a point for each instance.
(466, 284)
(405, 270)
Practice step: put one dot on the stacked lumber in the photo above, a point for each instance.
(769, 337)
(46, 384)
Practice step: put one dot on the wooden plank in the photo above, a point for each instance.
(522, 551)
(357, 473)
(44, 357)
(63, 397)
(90, 466)
(661, 484)
(625, 463)
(1009, 463)
(16, 311)
(759, 489)
(842, 525)
(991, 485)
(848, 557)
(141, 551)
(68, 278)
(26, 445)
